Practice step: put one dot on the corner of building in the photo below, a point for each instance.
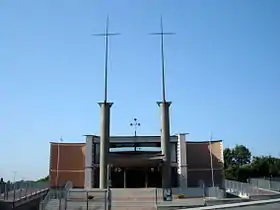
(182, 160)
(88, 162)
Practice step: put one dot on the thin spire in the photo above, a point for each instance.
(106, 61)
(162, 34)
(106, 35)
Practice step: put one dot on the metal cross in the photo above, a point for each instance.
(135, 124)
(106, 35)
(162, 33)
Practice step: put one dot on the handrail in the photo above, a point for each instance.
(56, 193)
(68, 187)
(45, 201)
(21, 190)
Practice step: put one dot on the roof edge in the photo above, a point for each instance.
(202, 142)
(79, 143)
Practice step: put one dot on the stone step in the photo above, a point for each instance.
(82, 205)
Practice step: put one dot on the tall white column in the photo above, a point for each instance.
(104, 143)
(182, 160)
(165, 143)
(88, 163)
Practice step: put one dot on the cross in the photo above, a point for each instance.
(106, 35)
(135, 124)
(162, 34)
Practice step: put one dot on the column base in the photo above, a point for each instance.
(104, 143)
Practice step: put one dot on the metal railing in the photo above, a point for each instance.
(241, 189)
(59, 195)
(84, 199)
(87, 199)
(21, 190)
(265, 184)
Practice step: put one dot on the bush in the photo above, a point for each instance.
(181, 196)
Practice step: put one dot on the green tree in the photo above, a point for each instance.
(266, 166)
(45, 179)
(240, 166)
(239, 155)
(228, 157)
(237, 163)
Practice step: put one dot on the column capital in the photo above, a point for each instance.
(182, 134)
(105, 103)
(167, 103)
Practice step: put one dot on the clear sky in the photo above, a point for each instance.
(222, 68)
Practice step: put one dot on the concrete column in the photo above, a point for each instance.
(182, 160)
(146, 177)
(88, 163)
(124, 178)
(165, 143)
(104, 142)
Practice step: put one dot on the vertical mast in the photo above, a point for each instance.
(105, 119)
(162, 61)
(106, 35)
(165, 126)
(106, 61)
(162, 34)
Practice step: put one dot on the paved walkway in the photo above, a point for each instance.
(272, 206)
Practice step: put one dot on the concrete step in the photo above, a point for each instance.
(93, 205)
(139, 193)
(53, 204)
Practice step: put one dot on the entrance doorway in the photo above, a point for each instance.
(154, 177)
(136, 177)
(117, 178)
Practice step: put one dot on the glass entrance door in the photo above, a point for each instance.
(154, 177)
(117, 177)
(136, 177)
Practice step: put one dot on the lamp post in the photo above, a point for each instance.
(135, 124)
(14, 186)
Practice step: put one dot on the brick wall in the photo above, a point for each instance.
(71, 157)
(199, 163)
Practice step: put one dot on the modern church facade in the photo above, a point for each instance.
(154, 161)
(136, 162)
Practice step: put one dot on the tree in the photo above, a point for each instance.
(239, 166)
(266, 166)
(228, 157)
(45, 179)
(242, 155)
(239, 155)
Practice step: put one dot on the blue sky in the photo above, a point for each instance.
(222, 69)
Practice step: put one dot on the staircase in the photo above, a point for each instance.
(122, 199)
(53, 204)
(137, 198)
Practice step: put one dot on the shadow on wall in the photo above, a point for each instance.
(199, 164)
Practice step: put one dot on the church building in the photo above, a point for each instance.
(135, 162)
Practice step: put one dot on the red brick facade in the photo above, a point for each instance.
(199, 162)
(70, 164)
